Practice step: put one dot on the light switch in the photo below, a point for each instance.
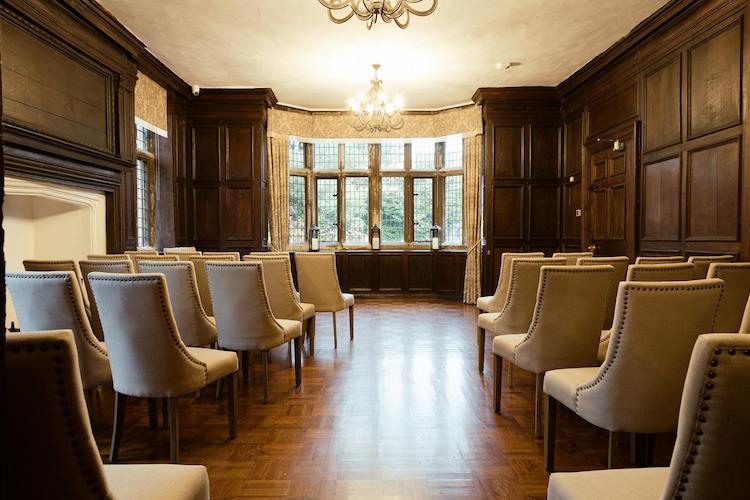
(578, 212)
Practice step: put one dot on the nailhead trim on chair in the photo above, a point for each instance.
(332, 262)
(656, 268)
(165, 314)
(608, 363)
(287, 277)
(192, 285)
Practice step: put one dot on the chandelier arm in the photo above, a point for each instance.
(418, 12)
(405, 24)
(339, 20)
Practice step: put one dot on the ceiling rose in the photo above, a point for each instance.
(398, 11)
(374, 111)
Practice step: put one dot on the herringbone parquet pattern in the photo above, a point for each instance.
(399, 413)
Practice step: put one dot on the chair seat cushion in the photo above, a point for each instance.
(308, 310)
(504, 345)
(486, 304)
(485, 320)
(292, 329)
(218, 363)
(562, 384)
(348, 299)
(615, 484)
(157, 481)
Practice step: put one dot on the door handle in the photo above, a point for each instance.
(593, 188)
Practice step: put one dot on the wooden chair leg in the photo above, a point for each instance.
(114, 447)
(351, 323)
(335, 342)
(164, 414)
(153, 418)
(498, 385)
(480, 349)
(218, 388)
(174, 431)
(245, 364)
(297, 361)
(289, 353)
(538, 405)
(264, 355)
(612, 450)
(311, 334)
(550, 429)
(232, 403)
(510, 374)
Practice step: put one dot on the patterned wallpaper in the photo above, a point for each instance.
(151, 105)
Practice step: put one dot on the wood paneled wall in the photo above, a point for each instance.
(222, 194)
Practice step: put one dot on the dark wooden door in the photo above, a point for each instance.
(611, 194)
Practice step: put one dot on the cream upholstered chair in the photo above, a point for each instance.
(199, 264)
(659, 260)
(518, 310)
(123, 266)
(701, 263)
(185, 256)
(53, 301)
(196, 328)
(141, 252)
(276, 254)
(712, 449)
(638, 387)
(745, 326)
(53, 448)
(148, 357)
(571, 258)
(174, 250)
(319, 285)
(620, 266)
(58, 265)
(136, 259)
(107, 256)
(277, 274)
(661, 272)
(244, 318)
(234, 255)
(495, 302)
(736, 276)
(565, 330)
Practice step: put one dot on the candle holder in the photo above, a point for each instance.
(435, 237)
(314, 238)
(375, 237)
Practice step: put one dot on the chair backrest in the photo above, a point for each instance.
(503, 279)
(196, 328)
(201, 278)
(277, 275)
(123, 266)
(712, 449)
(141, 252)
(252, 255)
(745, 326)
(107, 256)
(659, 260)
(318, 281)
(53, 301)
(56, 265)
(660, 272)
(702, 262)
(620, 265)
(147, 355)
(136, 259)
(518, 310)
(53, 451)
(571, 258)
(186, 256)
(243, 311)
(173, 250)
(235, 255)
(736, 276)
(567, 320)
(638, 387)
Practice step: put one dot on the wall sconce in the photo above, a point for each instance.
(617, 144)
(314, 238)
(375, 237)
(435, 235)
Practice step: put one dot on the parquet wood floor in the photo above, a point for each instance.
(399, 413)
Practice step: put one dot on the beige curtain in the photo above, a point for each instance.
(278, 192)
(472, 210)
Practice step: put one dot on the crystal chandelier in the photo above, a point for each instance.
(374, 111)
(368, 10)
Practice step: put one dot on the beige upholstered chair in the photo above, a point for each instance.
(174, 250)
(53, 301)
(518, 310)
(659, 260)
(565, 330)
(123, 266)
(244, 318)
(745, 326)
(661, 272)
(199, 264)
(186, 256)
(712, 449)
(571, 258)
(235, 255)
(638, 387)
(107, 256)
(277, 274)
(53, 451)
(196, 328)
(148, 357)
(736, 276)
(276, 254)
(141, 252)
(620, 266)
(495, 302)
(136, 259)
(319, 285)
(58, 265)
(701, 263)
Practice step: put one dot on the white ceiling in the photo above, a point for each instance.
(438, 61)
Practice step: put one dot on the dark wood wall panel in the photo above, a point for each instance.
(662, 109)
(359, 270)
(545, 152)
(617, 107)
(508, 147)
(238, 200)
(391, 273)
(239, 153)
(507, 211)
(661, 183)
(206, 153)
(419, 272)
(206, 216)
(544, 207)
